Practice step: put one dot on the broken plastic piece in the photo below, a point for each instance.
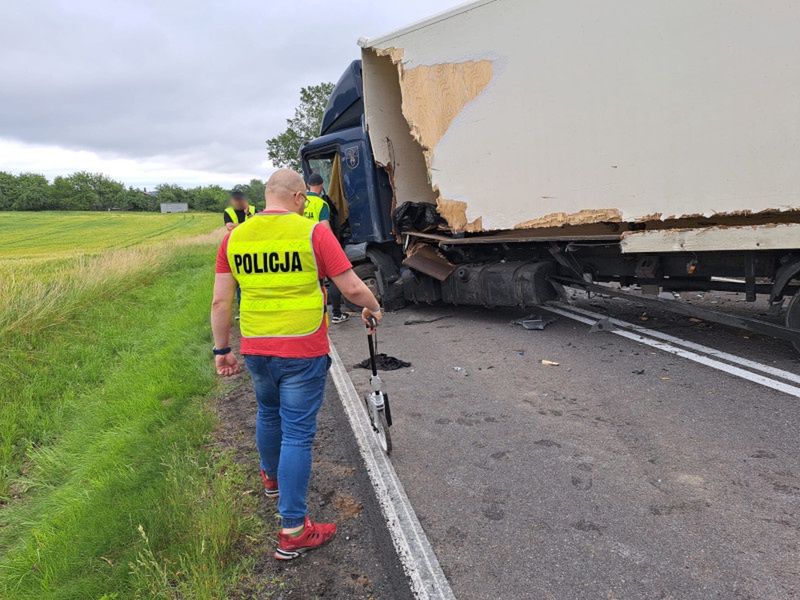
(534, 322)
(604, 324)
(426, 259)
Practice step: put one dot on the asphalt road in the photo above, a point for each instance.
(623, 472)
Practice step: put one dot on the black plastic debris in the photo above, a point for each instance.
(417, 216)
(383, 362)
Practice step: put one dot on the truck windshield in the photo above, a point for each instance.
(323, 166)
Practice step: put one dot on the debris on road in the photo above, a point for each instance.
(550, 363)
(423, 321)
(383, 362)
(604, 324)
(534, 322)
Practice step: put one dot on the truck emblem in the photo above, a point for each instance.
(351, 156)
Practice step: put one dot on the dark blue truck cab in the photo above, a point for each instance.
(364, 188)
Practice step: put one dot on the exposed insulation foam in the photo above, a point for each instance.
(433, 95)
(455, 213)
(392, 143)
(582, 217)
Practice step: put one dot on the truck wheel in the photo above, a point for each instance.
(793, 316)
(368, 273)
(388, 294)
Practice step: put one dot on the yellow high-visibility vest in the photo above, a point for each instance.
(251, 210)
(314, 206)
(272, 259)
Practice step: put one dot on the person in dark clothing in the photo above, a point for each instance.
(328, 215)
(238, 211)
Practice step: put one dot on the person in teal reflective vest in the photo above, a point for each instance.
(317, 207)
(238, 211)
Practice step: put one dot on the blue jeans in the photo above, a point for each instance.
(289, 392)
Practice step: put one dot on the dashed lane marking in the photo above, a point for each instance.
(726, 356)
(648, 337)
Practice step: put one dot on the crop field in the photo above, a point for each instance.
(110, 486)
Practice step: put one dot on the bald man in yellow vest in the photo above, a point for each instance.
(279, 259)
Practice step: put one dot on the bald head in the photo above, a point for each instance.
(285, 189)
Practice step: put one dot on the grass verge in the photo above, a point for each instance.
(111, 487)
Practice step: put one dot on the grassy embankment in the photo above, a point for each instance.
(109, 485)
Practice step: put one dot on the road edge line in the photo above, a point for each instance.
(426, 578)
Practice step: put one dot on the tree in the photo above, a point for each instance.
(87, 191)
(168, 193)
(136, 199)
(110, 193)
(94, 191)
(211, 197)
(283, 150)
(8, 190)
(32, 192)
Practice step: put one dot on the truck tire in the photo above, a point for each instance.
(793, 316)
(389, 295)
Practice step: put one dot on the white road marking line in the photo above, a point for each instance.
(416, 554)
(744, 362)
(687, 354)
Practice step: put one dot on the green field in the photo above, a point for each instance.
(57, 234)
(109, 485)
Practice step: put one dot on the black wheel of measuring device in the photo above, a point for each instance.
(384, 438)
(793, 316)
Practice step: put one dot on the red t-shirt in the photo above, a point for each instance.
(331, 261)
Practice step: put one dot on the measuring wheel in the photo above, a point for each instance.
(380, 415)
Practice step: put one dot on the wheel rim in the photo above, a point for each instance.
(384, 438)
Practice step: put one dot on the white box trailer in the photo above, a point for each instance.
(636, 142)
(520, 114)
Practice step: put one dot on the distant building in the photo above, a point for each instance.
(171, 207)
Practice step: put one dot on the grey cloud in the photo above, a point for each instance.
(202, 82)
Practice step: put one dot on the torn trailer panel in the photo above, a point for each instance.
(506, 137)
(514, 114)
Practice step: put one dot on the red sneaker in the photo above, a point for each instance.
(270, 485)
(314, 535)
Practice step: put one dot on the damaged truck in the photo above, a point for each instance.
(498, 151)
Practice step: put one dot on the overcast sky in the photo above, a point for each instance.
(175, 91)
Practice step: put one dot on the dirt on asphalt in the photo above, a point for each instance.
(360, 562)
